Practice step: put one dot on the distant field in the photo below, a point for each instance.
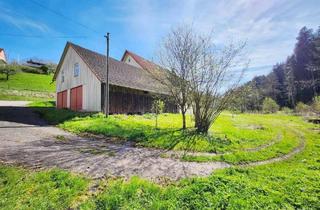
(27, 86)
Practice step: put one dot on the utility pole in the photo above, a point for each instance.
(107, 82)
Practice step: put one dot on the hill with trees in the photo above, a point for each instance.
(295, 80)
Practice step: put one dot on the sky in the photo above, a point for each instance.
(41, 28)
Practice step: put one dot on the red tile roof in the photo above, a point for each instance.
(145, 64)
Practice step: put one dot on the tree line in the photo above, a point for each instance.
(292, 82)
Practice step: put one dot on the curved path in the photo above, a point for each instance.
(27, 140)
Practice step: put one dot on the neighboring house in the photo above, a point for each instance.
(35, 63)
(3, 59)
(81, 76)
(138, 61)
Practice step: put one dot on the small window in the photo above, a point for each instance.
(76, 70)
(62, 76)
(129, 60)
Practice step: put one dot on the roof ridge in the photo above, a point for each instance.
(139, 56)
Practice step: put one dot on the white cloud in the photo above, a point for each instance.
(23, 23)
(269, 27)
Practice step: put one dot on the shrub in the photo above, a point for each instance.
(157, 108)
(269, 105)
(302, 108)
(286, 110)
(28, 69)
(316, 105)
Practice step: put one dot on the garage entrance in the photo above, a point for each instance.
(76, 98)
(62, 98)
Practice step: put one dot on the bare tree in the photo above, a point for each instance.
(199, 74)
(178, 55)
(215, 80)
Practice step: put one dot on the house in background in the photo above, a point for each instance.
(3, 59)
(81, 76)
(35, 63)
(139, 62)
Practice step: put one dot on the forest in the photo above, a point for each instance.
(295, 81)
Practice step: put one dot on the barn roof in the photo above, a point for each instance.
(144, 63)
(120, 73)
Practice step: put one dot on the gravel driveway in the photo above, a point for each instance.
(27, 140)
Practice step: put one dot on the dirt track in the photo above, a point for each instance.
(26, 139)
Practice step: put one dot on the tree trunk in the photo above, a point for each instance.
(202, 126)
(7, 74)
(184, 126)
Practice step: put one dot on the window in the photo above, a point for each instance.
(62, 76)
(76, 70)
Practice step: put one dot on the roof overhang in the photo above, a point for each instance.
(66, 48)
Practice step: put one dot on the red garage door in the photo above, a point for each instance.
(62, 98)
(76, 98)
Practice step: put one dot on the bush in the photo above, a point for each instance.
(286, 110)
(45, 69)
(316, 105)
(28, 69)
(302, 108)
(269, 105)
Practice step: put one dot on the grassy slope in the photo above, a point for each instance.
(26, 86)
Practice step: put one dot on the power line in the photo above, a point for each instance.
(63, 16)
(43, 37)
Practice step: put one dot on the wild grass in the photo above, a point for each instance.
(53, 189)
(235, 138)
(288, 184)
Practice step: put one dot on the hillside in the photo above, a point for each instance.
(295, 80)
(27, 86)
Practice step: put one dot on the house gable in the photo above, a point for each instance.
(130, 60)
(66, 79)
(2, 56)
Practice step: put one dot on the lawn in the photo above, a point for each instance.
(288, 184)
(233, 137)
(27, 86)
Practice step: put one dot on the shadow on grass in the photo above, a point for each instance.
(56, 116)
(120, 126)
(185, 140)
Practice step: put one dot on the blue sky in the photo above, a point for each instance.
(269, 26)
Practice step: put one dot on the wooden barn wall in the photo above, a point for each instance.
(125, 100)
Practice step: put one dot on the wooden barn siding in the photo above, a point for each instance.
(91, 85)
(130, 101)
